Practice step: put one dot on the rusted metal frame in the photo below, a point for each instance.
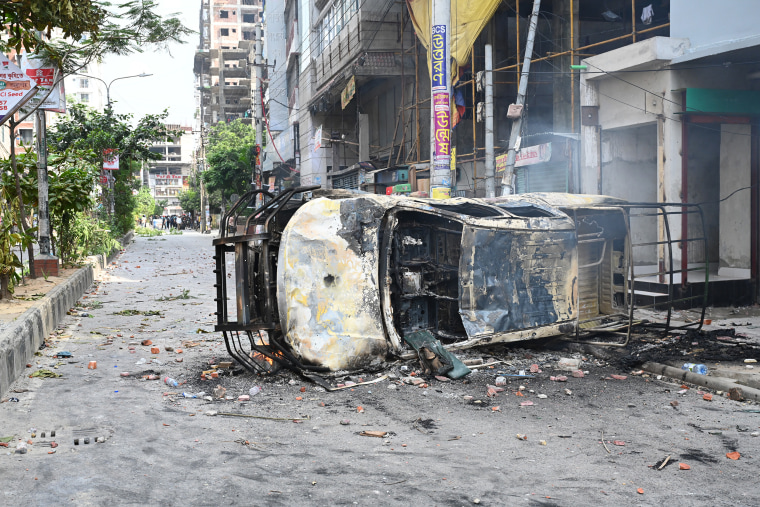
(603, 241)
(221, 282)
(626, 289)
(247, 197)
(672, 271)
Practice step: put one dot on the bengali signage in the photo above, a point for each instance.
(44, 75)
(318, 139)
(438, 56)
(15, 88)
(441, 101)
(348, 92)
(529, 155)
(110, 160)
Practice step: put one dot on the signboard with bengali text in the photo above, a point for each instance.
(15, 88)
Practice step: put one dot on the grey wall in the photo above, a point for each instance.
(703, 187)
(735, 211)
(706, 22)
(629, 170)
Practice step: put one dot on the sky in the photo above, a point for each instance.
(171, 85)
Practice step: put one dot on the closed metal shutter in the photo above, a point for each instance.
(549, 177)
(347, 181)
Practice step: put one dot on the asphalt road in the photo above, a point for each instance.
(600, 444)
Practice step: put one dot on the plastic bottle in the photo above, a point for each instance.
(254, 390)
(695, 368)
(170, 382)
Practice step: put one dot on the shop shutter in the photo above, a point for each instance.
(549, 177)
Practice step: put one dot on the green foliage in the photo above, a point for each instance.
(92, 132)
(160, 205)
(230, 158)
(91, 29)
(144, 203)
(190, 200)
(148, 232)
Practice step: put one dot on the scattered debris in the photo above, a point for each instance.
(43, 373)
(373, 433)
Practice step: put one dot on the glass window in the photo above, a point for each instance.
(224, 14)
(84, 97)
(84, 83)
(224, 32)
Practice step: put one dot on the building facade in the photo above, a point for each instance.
(170, 175)
(227, 30)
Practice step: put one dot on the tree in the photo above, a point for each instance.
(93, 132)
(230, 159)
(190, 200)
(91, 29)
(145, 203)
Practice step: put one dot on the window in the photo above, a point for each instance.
(84, 83)
(248, 35)
(234, 30)
(224, 14)
(249, 18)
(25, 136)
(84, 97)
(224, 32)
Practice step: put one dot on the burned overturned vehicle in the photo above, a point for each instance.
(328, 280)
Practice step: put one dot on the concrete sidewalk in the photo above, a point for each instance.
(22, 338)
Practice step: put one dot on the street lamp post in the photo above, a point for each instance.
(108, 85)
(110, 111)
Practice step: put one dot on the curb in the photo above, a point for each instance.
(23, 337)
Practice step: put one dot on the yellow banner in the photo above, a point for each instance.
(468, 17)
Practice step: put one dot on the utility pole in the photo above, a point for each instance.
(440, 111)
(506, 183)
(258, 107)
(43, 220)
(490, 155)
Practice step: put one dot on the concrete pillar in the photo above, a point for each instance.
(363, 137)
(590, 170)
(734, 238)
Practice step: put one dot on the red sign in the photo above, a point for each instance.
(110, 160)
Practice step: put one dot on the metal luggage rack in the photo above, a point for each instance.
(666, 271)
(254, 338)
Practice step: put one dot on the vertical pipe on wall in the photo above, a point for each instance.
(490, 184)
(572, 62)
(684, 192)
(633, 20)
(474, 126)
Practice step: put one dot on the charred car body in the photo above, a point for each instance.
(333, 280)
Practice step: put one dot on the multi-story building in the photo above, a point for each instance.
(169, 176)
(86, 87)
(227, 30)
